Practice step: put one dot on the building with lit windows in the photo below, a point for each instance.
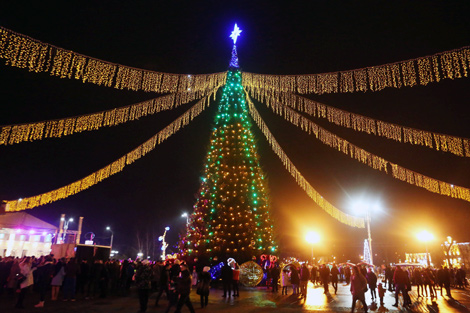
(456, 254)
(22, 234)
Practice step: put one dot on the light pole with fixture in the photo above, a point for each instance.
(312, 238)
(187, 218)
(112, 236)
(66, 226)
(365, 206)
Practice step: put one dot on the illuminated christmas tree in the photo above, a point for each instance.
(231, 215)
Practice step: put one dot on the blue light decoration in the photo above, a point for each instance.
(216, 271)
(235, 33)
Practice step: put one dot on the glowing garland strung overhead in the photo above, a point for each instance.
(22, 51)
(441, 142)
(301, 181)
(420, 71)
(11, 134)
(363, 156)
(113, 168)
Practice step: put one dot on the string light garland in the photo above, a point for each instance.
(113, 168)
(22, 51)
(301, 181)
(458, 146)
(12, 134)
(451, 64)
(365, 157)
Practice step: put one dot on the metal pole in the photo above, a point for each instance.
(427, 253)
(112, 237)
(370, 237)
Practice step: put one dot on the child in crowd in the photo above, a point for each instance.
(381, 293)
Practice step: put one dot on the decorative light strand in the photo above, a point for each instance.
(420, 71)
(459, 146)
(301, 181)
(12, 134)
(371, 160)
(113, 168)
(22, 51)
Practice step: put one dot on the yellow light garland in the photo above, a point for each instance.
(113, 168)
(24, 52)
(459, 146)
(12, 134)
(373, 161)
(301, 181)
(445, 65)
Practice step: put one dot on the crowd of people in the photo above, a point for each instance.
(66, 280)
(364, 278)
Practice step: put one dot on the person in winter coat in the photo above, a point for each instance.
(227, 277)
(44, 274)
(184, 289)
(400, 278)
(275, 277)
(372, 282)
(143, 281)
(304, 276)
(72, 269)
(284, 281)
(236, 280)
(164, 283)
(58, 279)
(203, 285)
(382, 291)
(358, 285)
(334, 277)
(26, 280)
(325, 277)
(294, 280)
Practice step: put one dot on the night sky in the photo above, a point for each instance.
(293, 38)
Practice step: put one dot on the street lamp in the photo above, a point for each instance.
(187, 218)
(312, 238)
(164, 243)
(364, 207)
(112, 236)
(66, 226)
(425, 236)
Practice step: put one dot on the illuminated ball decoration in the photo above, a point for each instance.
(251, 274)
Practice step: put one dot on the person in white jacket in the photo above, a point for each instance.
(25, 280)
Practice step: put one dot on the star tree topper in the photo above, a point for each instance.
(235, 33)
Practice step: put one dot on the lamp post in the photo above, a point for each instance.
(187, 218)
(164, 243)
(425, 236)
(312, 238)
(112, 236)
(364, 206)
(66, 226)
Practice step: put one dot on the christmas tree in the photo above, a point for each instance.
(231, 215)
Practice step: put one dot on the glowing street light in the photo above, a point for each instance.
(425, 236)
(364, 206)
(164, 243)
(312, 238)
(187, 218)
(112, 236)
(66, 226)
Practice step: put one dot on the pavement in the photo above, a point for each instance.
(256, 299)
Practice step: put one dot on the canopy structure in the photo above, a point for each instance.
(23, 220)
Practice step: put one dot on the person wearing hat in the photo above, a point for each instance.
(203, 286)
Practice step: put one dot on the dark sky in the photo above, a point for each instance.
(190, 37)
